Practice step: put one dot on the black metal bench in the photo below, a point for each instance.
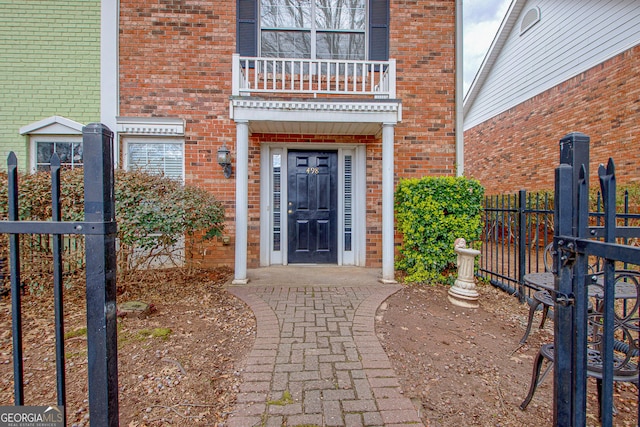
(542, 297)
(625, 345)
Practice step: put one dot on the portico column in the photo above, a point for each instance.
(242, 201)
(388, 241)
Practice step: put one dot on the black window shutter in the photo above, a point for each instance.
(378, 30)
(247, 27)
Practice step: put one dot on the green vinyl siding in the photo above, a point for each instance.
(49, 66)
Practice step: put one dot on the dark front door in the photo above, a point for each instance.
(312, 206)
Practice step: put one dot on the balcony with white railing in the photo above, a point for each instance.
(286, 95)
(313, 77)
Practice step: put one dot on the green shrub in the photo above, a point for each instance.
(431, 214)
(154, 213)
(631, 190)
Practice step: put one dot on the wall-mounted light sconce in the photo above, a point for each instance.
(224, 160)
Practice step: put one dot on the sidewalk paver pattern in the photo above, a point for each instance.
(317, 361)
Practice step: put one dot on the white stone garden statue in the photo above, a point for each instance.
(463, 293)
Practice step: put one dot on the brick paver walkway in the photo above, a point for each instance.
(317, 344)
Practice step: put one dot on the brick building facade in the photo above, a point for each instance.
(539, 82)
(176, 62)
(519, 147)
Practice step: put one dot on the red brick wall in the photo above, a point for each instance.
(175, 61)
(519, 148)
(423, 43)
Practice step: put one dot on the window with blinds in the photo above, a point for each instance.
(277, 192)
(348, 202)
(161, 157)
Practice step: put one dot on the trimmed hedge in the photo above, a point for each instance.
(431, 213)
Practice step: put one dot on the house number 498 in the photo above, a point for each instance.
(314, 171)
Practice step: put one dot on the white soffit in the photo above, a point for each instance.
(154, 126)
(315, 128)
(316, 117)
(54, 125)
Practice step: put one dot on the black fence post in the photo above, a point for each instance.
(522, 241)
(56, 216)
(580, 308)
(574, 151)
(14, 268)
(101, 275)
(608, 188)
(563, 314)
(570, 401)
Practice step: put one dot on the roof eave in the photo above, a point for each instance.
(508, 22)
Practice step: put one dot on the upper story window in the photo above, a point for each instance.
(314, 29)
(317, 29)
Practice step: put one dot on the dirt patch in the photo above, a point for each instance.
(182, 364)
(177, 366)
(466, 367)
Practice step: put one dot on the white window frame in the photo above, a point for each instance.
(313, 31)
(531, 18)
(180, 245)
(35, 139)
(127, 140)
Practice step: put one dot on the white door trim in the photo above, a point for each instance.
(269, 256)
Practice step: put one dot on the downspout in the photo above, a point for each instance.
(109, 80)
(459, 126)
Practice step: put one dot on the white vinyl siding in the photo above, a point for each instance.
(570, 38)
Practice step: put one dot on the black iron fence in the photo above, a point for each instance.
(595, 334)
(37, 254)
(99, 232)
(593, 251)
(517, 228)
